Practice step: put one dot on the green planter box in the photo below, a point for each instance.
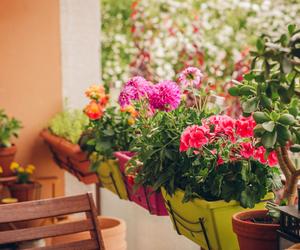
(111, 178)
(207, 223)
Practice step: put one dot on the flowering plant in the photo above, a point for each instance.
(271, 92)
(23, 173)
(225, 163)
(165, 109)
(110, 129)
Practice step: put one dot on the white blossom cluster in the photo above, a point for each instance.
(163, 36)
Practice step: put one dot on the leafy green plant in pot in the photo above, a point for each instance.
(9, 127)
(270, 92)
(63, 135)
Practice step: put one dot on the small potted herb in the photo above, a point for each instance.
(24, 189)
(271, 93)
(9, 127)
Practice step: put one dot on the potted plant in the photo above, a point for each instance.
(108, 131)
(24, 189)
(270, 91)
(9, 127)
(201, 192)
(63, 136)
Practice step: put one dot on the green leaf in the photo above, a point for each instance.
(269, 139)
(283, 133)
(269, 126)
(249, 76)
(291, 28)
(266, 102)
(260, 45)
(258, 130)
(250, 105)
(260, 117)
(246, 91)
(287, 119)
(295, 148)
(234, 91)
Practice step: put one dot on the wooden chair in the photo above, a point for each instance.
(32, 210)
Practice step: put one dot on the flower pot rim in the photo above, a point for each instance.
(121, 223)
(236, 218)
(8, 150)
(212, 204)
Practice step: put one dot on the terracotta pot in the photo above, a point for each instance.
(25, 192)
(70, 157)
(113, 231)
(7, 155)
(255, 236)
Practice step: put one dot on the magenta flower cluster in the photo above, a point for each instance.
(165, 96)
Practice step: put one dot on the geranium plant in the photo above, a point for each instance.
(224, 162)
(110, 129)
(271, 92)
(23, 173)
(9, 127)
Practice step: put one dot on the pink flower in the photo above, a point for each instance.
(259, 154)
(272, 159)
(220, 160)
(135, 89)
(193, 137)
(165, 96)
(223, 125)
(247, 150)
(245, 126)
(190, 76)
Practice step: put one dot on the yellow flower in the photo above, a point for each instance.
(93, 156)
(29, 170)
(31, 167)
(131, 121)
(21, 170)
(1, 170)
(14, 166)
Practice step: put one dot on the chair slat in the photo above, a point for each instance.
(35, 233)
(43, 208)
(76, 245)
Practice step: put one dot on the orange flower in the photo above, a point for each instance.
(104, 100)
(93, 110)
(95, 92)
(130, 109)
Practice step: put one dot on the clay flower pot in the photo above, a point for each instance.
(113, 231)
(70, 157)
(143, 196)
(7, 155)
(258, 236)
(25, 192)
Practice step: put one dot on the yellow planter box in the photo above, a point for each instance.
(207, 223)
(111, 178)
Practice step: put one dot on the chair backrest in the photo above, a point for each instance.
(40, 209)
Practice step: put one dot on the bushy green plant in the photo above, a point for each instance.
(9, 127)
(108, 134)
(271, 91)
(69, 124)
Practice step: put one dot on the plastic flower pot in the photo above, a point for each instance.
(207, 223)
(258, 236)
(113, 232)
(7, 155)
(70, 157)
(143, 196)
(111, 178)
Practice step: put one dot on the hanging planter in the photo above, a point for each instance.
(7, 155)
(143, 196)
(207, 223)
(111, 178)
(70, 157)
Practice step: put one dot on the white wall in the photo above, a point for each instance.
(80, 38)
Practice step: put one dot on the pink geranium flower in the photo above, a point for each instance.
(259, 154)
(247, 150)
(245, 126)
(191, 76)
(272, 159)
(194, 137)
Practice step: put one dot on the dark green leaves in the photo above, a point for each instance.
(287, 119)
(250, 105)
(269, 139)
(260, 117)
